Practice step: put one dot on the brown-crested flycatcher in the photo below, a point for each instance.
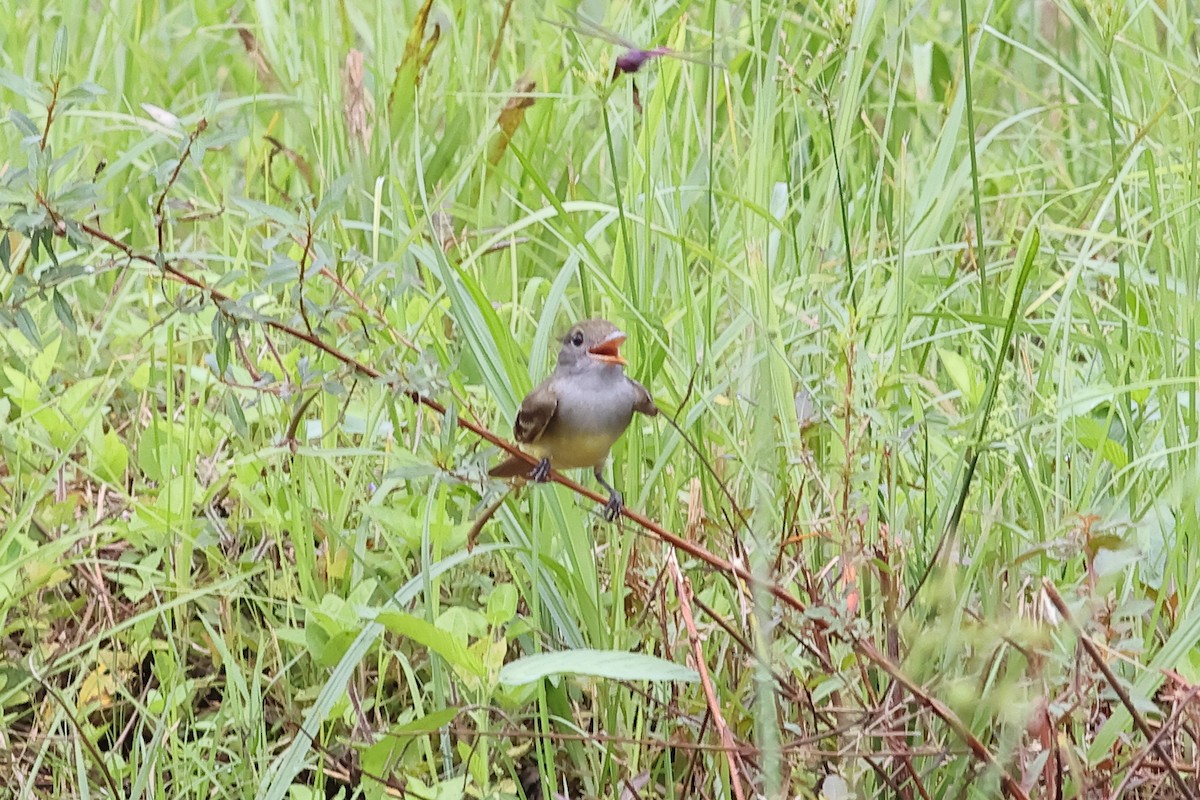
(572, 418)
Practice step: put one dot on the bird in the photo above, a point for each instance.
(572, 419)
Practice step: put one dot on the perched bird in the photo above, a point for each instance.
(573, 417)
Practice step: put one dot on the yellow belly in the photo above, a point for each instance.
(571, 452)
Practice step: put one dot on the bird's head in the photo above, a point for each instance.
(590, 343)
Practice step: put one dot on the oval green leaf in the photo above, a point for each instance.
(614, 664)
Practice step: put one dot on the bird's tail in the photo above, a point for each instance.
(511, 467)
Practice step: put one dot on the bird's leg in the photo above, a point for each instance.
(612, 509)
(541, 473)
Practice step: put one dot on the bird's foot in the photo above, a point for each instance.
(540, 473)
(612, 509)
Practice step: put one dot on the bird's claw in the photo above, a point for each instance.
(612, 509)
(540, 473)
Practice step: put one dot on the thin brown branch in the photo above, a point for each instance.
(495, 55)
(298, 161)
(803, 746)
(1132, 770)
(50, 114)
(290, 437)
(683, 590)
(160, 222)
(325, 272)
(1094, 653)
(303, 267)
(80, 736)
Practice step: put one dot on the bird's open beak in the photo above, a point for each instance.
(607, 350)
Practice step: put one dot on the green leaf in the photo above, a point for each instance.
(259, 211)
(62, 310)
(502, 604)
(112, 458)
(159, 455)
(960, 374)
(333, 201)
(614, 664)
(22, 389)
(27, 326)
(1093, 434)
(42, 364)
(220, 333)
(48, 243)
(85, 92)
(25, 88)
(23, 123)
(462, 623)
(1189, 667)
(233, 410)
(381, 757)
(58, 56)
(449, 143)
(327, 648)
(430, 722)
(82, 401)
(433, 638)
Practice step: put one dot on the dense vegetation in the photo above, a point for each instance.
(914, 285)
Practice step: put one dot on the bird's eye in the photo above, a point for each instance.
(577, 339)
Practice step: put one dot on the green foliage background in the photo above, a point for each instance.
(918, 280)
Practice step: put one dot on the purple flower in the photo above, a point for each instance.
(632, 60)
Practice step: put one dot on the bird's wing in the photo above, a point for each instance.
(642, 402)
(537, 409)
